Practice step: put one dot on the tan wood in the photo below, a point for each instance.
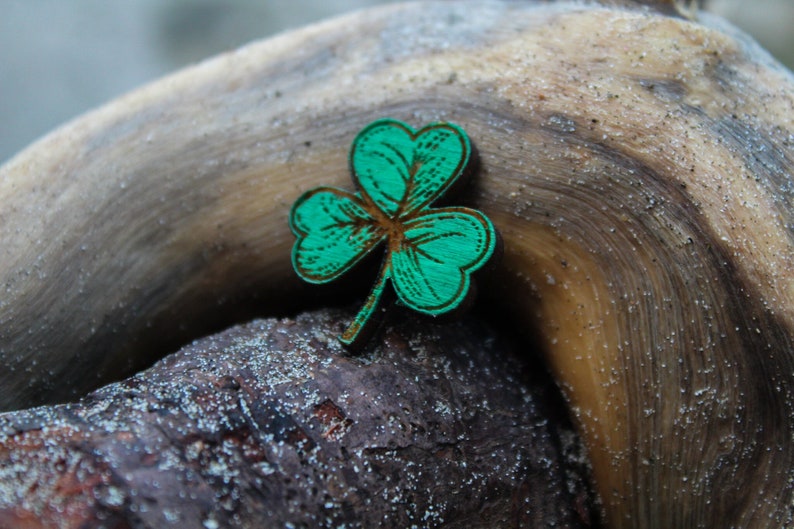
(637, 165)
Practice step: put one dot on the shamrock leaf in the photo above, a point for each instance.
(430, 252)
(334, 233)
(431, 267)
(402, 171)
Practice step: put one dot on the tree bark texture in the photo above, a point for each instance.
(271, 425)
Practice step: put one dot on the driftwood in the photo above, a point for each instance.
(637, 165)
(271, 425)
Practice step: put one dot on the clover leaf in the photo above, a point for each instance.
(430, 252)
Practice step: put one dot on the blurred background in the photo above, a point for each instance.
(59, 58)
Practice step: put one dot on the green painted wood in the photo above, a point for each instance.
(430, 252)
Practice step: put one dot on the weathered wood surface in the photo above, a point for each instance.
(637, 165)
(272, 425)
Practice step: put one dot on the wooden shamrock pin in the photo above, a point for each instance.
(430, 252)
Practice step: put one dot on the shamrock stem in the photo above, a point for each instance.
(356, 331)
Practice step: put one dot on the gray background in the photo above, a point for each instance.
(59, 58)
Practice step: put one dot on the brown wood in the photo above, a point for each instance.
(637, 165)
(272, 425)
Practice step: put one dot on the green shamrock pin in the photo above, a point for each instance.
(430, 252)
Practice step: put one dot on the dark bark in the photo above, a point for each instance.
(271, 425)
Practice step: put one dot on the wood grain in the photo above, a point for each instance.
(638, 167)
